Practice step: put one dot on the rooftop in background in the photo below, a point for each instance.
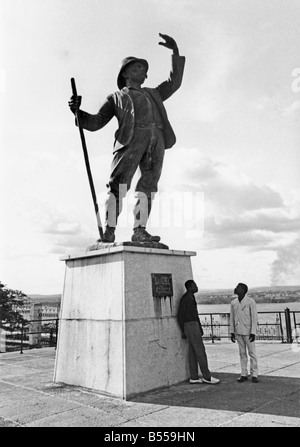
(45, 299)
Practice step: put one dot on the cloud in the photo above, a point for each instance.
(69, 228)
(65, 236)
(225, 187)
(238, 212)
(260, 103)
(287, 265)
(262, 230)
(64, 244)
(228, 196)
(221, 57)
(292, 111)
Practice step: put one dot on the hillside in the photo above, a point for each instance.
(275, 294)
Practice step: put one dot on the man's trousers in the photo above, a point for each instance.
(197, 353)
(244, 346)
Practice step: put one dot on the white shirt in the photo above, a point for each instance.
(243, 316)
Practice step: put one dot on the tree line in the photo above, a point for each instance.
(10, 300)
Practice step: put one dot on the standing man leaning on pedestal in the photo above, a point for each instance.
(143, 135)
(243, 324)
(190, 325)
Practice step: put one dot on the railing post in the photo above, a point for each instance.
(212, 328)
(22, 335)
(56, 332)
(281, 328)
(51, 336)
(288, 325)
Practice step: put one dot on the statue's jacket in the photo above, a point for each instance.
(120, 104)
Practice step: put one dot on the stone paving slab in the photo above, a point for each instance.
(30, 407)
(83, 416)
(263, 420)
(28, 396)
(183, 417)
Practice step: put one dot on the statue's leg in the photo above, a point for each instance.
(151, 168)
(125, 163)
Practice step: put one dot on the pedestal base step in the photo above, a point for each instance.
(100, 245)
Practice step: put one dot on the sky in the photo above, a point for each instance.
(230, 186)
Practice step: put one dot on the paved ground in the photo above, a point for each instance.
(29, 398)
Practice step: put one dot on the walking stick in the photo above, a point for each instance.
(87, 164)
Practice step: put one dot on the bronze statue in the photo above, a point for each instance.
(143, 134)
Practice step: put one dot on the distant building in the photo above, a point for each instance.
(42, 312)
(50, 306)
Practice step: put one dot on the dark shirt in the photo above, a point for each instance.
(146, 111)
(187, 310)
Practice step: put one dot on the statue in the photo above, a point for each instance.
(143, 134)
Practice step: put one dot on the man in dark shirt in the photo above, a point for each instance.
(143, 134)
(190, 325)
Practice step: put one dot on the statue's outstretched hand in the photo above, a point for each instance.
(169, 43)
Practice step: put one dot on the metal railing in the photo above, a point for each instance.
(279, 325)
(32, 334)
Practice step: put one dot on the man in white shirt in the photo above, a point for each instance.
(243, 324)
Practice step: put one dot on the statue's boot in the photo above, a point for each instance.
(108, 235)
(113, 208)
(141, 235)
(141, 213)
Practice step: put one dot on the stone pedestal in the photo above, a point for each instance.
(118, 331)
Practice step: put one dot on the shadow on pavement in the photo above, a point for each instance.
(272, 395)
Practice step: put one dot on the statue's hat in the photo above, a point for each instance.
(125, 62)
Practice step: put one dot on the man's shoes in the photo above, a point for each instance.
(242, 379)
(141, 235)
(108, 235)
(212, 381)
(196, 380)
(254, 379)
